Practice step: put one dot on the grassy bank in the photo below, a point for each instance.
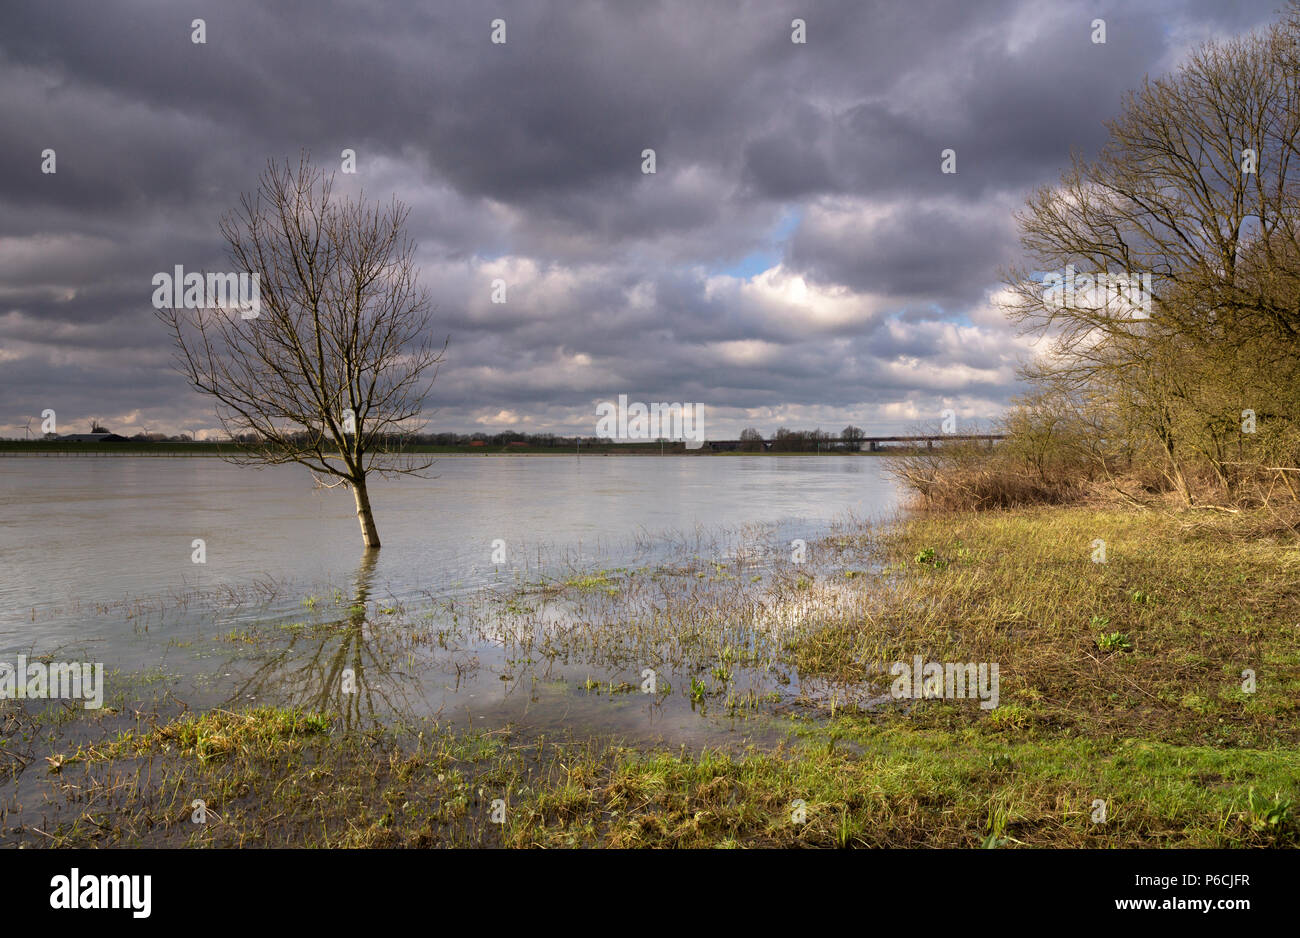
(1121, 682)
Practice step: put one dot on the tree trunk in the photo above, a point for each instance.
(369, 533)
(1177, 477)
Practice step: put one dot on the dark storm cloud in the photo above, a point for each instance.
(798, 255)
(938, 251)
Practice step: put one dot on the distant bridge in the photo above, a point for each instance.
(873, 442)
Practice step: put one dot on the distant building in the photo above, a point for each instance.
(92, 438)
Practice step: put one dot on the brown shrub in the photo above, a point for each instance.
(964, 477)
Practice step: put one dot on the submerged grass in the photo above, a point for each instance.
(1149, 688)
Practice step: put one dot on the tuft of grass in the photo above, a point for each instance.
(215, 734)
(1115, 641)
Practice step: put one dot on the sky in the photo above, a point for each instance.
(797, 259)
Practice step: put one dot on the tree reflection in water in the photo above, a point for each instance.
(346, 667)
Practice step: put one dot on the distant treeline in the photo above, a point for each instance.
(783, 440)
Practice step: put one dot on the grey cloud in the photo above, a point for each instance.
(530, 153)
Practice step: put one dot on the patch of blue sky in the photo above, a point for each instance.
(754, 263)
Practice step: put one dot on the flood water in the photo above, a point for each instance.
(97, 564)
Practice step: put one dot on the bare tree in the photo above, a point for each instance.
(335, 366)
(1198, 191)
(751, 440)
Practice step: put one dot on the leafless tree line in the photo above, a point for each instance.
(1199, 188)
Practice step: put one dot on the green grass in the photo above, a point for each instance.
(279, 778)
